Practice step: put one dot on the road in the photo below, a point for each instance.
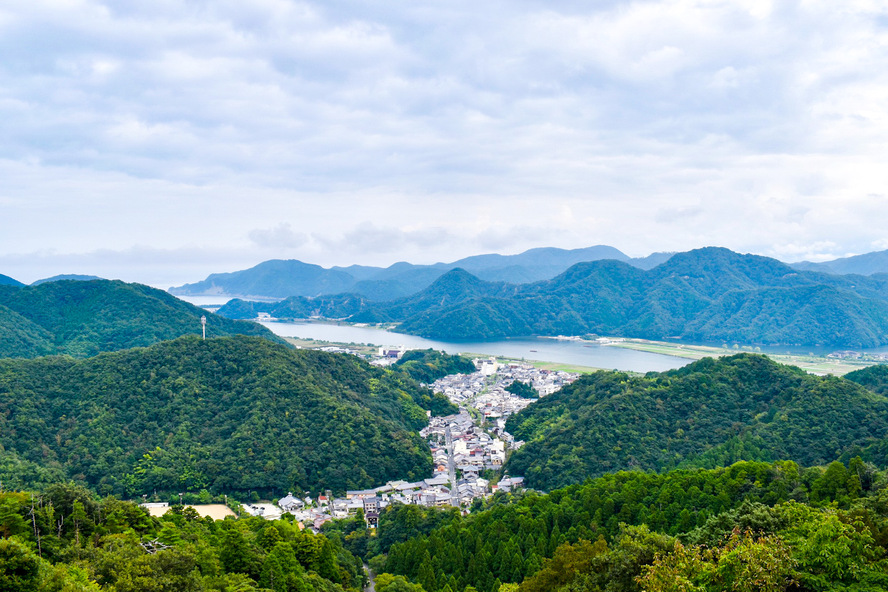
(371, 586)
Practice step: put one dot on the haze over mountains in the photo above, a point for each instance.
(709, 294)
(277, 279)
(280, 279)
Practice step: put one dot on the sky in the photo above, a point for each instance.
(162, 141)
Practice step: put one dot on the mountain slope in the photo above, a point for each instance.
(5, 280)
(67, 276)
(229, 414)
(709, 294)
(282, 279)
(866, 264)
(701, 414)
(20, 338)
(275, 279)
(874, 378)
(83, 318)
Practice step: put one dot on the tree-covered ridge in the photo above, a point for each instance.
(428, 365)
(709, 413)
(708, 294)
(20, 338)
(5, 280)
(523, 390)
(229, 414)
(64, 540)
(608, 532)
(874, 378)
(84, 318)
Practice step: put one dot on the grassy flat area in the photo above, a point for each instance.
(317, 344)
(537, 363)
(810, 363)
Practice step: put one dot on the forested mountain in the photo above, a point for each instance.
(866, 264)
(709, 413)
(65, 540)
(67, 276)
(282, 279)
(231, 415)
(275, 279)
(83, 318)
(709, 294)
(428, 365)
(5, 280)
(874, 378)
(751, 526)
(20, 338)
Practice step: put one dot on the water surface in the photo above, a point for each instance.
(547, 350)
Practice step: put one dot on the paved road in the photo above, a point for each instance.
(371, 587)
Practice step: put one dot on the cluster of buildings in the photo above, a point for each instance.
(461, 448)
(485, 390)
(432, 492)
(855, 355)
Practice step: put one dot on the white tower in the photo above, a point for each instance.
(203, 325)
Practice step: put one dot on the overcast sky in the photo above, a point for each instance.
(159, 141)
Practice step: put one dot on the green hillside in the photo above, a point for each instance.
(5, 280)
(709, 413)
(84, 318)
(428, 365)
(710, 295)
(63, 539)
(751, 526)
(20, 338)
(229, 414)
(874, 378)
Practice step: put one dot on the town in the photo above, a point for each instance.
(468, 448)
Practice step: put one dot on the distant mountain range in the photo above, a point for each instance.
(67, 276)
(866, 264)
(710, 294)
(281, 279)
(83, 318)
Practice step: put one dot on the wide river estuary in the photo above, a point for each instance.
(575, 353)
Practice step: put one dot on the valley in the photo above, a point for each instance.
(588, 462)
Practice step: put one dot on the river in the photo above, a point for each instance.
(575, 353)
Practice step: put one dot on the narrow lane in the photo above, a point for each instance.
(371, 585)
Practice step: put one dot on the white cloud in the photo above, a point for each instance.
(343, 131)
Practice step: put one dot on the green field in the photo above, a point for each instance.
(809, 362)
(814, 364)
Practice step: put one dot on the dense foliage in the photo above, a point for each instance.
(233, 414)
(5, 280)
(21, 338)
(709, 413)
(523, 390)
(874, 378)
(428, 365)
(709, 294)
(84, 318)
(64, 540)
(625, 532)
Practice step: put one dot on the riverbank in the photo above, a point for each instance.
(812, 363)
